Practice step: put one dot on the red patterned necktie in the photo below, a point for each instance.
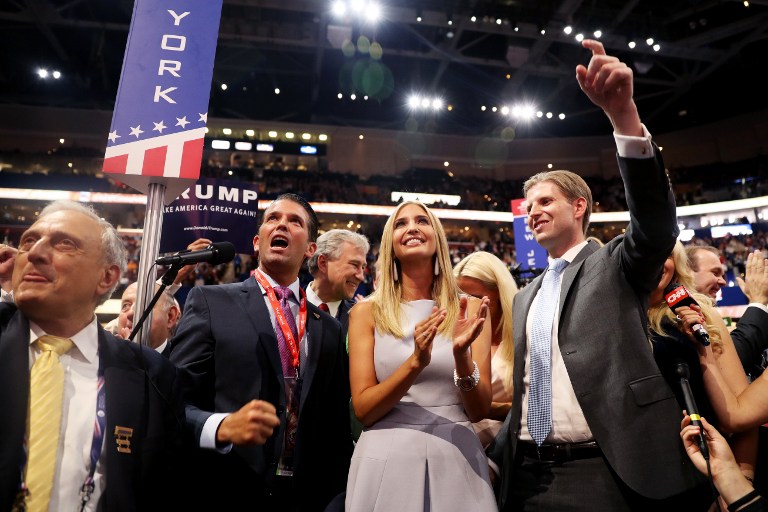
(283, 294)
(324, 307)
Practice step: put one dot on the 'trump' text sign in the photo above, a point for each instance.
(161, 109)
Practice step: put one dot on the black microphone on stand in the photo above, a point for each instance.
(684, 373)
(215, 254)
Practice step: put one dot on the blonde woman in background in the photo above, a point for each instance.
(481, 274)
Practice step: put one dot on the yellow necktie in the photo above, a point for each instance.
(46, 392)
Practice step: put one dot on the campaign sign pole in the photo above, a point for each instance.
(529, 254)
(155, 143)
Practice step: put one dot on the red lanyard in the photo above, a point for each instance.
(287, 333)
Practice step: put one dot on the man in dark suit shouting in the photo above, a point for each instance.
(81, 408)
(593, 424)
(252, 348)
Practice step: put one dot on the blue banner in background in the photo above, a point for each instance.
(221, 211)
(161, 109)
(530, 255)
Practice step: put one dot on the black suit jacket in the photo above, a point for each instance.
(342, 315)
(226, 347)
(142, 393)
(750, 337)
(602, 335)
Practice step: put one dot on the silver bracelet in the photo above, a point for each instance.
(469, 382)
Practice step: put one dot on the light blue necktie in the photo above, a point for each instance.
(540, 392)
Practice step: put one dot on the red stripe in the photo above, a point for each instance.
(191, 158)
(154, 161)
(116, 164)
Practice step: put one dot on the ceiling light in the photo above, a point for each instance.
(446, 163)
(56, 75)
(339, 9)
(339, 95)
(579, 37)
(373, 12)
(277, 90)
(568, 29)
(543, 31)
(482, 108)
(473, 19)
(289, 135)
(649, 41)
(425, 103)
(494, 109)
(549, 115)
(223, 87)
(250, 133)
(414, 101)
(61, 141)
(353, 96)
(437, 104)
(322, 137)
(656, 47)
(306, 136)
(42, 73)
(272, 134)
(360, 136)
(505, 110)
(243, 146)
(539, 114)
(631, 44)
(227, 131)
(498, 21)
(561, 116)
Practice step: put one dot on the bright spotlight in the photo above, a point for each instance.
(277, 90)
(339, 9)
(414, 101)
(568, 29)
(598, 34)
(425, 103)
(373, 12)
(339, 95)
(223, 87)
(289, 135)
(272, 134)
(250, 133)
(353, 96)
(227, 131)
(549, 115)
(539, 114)
(579, 37)
(649, 41)
(322, 137)
(561, 116)
(505, 110)
(656, 47)
(631, 44)
(437, 104)
(56, 75)
(42, 73)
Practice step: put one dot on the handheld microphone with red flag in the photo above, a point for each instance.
(677, 296)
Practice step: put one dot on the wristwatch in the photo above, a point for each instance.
(469, 382)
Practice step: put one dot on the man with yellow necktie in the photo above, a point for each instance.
(89, 421)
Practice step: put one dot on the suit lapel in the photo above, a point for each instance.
(570, 273)
(314, 347)
(124, 385)
(253, 302)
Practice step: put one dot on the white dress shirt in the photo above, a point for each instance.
(333, 307)
(73, 460)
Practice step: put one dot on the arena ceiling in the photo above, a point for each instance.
(469, 53)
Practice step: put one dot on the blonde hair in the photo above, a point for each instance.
(683, 275)
(493, 273)
(388, 295)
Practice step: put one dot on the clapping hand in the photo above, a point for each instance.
(468, 328)
(424, 335)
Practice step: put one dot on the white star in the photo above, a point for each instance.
(182, 122)
(137, 131)
(203, 118)
(113, 136)
(158, 126)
